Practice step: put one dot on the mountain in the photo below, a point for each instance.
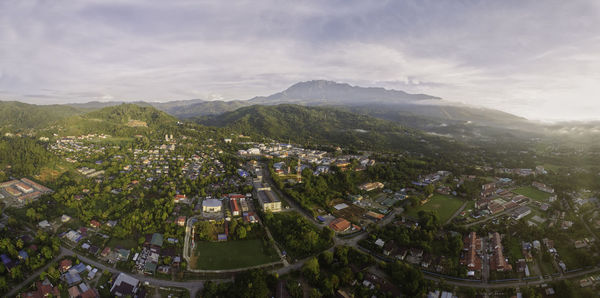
(324, 126)
(18, 115)
(315, 92)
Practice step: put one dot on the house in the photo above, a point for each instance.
(543, 187)
(235, 208)
(71, 277)
(43, 289)
(95, 224)
(339, 225)
(181, 221)
(105, 251)
(379, 243)
(65, 265)
(44, 224)
(211, 205)
(8, 262)
(180, 198)
(124, 285)
(371, 186)
(389, 248)
(65, 218)
(74, 292)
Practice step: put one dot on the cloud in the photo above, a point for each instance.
(526, 57)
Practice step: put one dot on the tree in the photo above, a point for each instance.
(241, 232)
(310, 269)
(326, 258)
(327, 235)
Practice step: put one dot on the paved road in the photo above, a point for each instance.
(192, 286)
(481, 285)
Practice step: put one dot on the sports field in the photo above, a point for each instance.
(232, 254)
(532, 193)
(443, 205)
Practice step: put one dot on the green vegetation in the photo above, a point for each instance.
(319, 125)
(24, 155)
(444, 206)
(233, 254)
(17, 115)
(299, 237)
(532, 193)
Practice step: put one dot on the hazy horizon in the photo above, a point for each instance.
(529, 58)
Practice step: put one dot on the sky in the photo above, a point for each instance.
(537, 59)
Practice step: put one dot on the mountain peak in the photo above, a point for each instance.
(332, 93)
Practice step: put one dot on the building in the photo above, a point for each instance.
(543, 187)
(211, 205)
(521, 212)
(235, 208)
(371, 186)
(181, 221)
(472, 245)
(124, 285)
(268, 201)
(43, 289)
(340, 225)
(498, 262)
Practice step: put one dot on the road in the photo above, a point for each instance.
(481, 285)
(192, 286)
(457, 212)
(35, 275)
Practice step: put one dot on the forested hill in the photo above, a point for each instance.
(323, 125)
(18, 115)
(120, 120)
(128, 114)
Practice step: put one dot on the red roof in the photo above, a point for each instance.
(339, 225)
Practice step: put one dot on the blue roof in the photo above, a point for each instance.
(79, 267)
(72, 278)
(23, 254)
(5, 259)
(222, 237)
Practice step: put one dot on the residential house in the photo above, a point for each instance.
(124, 285)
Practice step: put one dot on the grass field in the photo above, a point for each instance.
(122, 243)
(444, 206)
(232, 254)
(532, 193)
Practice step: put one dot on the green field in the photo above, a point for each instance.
(532, 193)
(444, 206)
(232, 254)
(122, 243)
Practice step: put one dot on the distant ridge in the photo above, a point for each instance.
(339, 93)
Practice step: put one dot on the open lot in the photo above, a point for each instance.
(444, 206)
(352, 213)
(232, 254)
(532, 193)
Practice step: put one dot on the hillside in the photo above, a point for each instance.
(18, 115)
(322, 125)
(120, 120)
